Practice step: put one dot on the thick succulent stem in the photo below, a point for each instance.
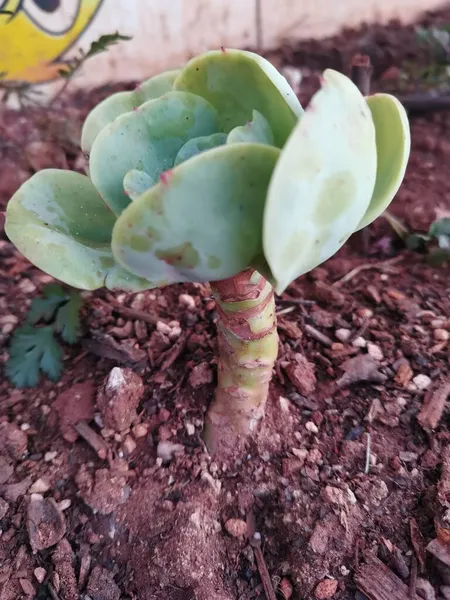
(248, 347)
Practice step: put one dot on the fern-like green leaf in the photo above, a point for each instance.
(44, 308)
(32, 351)
(67, 321)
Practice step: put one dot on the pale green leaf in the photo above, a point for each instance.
(59, 222)
(236, 82)
(204, 222)
(322, 183)
(121, 102)
(257, 131)
(136, 183)
(393, 148)
(147, 139)
(198, 145)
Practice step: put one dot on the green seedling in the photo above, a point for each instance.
(435, 244)
(215, 173)
(34, 347)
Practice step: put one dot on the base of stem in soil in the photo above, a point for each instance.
(248, 347)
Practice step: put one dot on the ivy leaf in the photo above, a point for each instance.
(44, 308)
(33, 350)
(67, 321)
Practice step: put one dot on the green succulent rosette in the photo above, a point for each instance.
(205, 171)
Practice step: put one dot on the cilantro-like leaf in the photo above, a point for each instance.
(67, 321)
(44, 308)
(31, 351)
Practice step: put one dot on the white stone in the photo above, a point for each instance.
(375, 351)
(422, 381)
(311, 427)
(187, 301)
(343, 335)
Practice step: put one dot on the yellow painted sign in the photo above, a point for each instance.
(35, 34)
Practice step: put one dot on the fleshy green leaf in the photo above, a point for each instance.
(322, 183)
(198, 145)
(440, 227)
(110, 108)
(147, 139)
(31, 351)
(60, 223)
(237, 82)
(136, 183)
(393, 148)
(44, 308)
(256, 131)
(204, 222)
(67, 321)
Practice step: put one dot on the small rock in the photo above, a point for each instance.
(215, 484)
(201, 375)
(163, 328)
(119, 398)
(49, 456)
(64, 504)
(45, 523)
(445, 591)
(284, 404)
(422, 382)
(101, 585)
(360, 368)
(166, 450)
(359, 342)
(6, 470)
(63, 561)
(425, 589)
(326, 589)
(129, 445)
(302, 374)
(4, 507)
(140, 430)
(328, 295)
(300, 453)
(27, 588)
(408, 456)
(102, 492)
(74, 405)
(187, 301)
(343, 335)
(286, 588)
(40, 486)
(190, 428)
(404, 374)
(13, 491)
(13, 441)
(441, 335)
(311, 427)
(375, 351)
(40, 574)
(236, 527)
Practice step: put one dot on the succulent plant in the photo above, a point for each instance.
(215, 173)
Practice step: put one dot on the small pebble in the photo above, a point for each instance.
(163, 328)
(437, 323)
(326, 589)
(140, 430)
(27, 588)
(343, 335)
(40, 574)
(374, 351)
(190, 429)
(236, 527)
(441, 335)
(187, 301)
(40, 486)
(25, 426)
(167, 450)
(286, 588)
(64, 504)
(129, 445)
(422, 382)
(365, 313)
(49, 456)
(311, 427)
(359, 342)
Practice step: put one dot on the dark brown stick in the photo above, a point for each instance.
(361, 73)
(263, 570)
(92, 438)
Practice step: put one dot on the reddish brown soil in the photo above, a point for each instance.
(112, 520)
